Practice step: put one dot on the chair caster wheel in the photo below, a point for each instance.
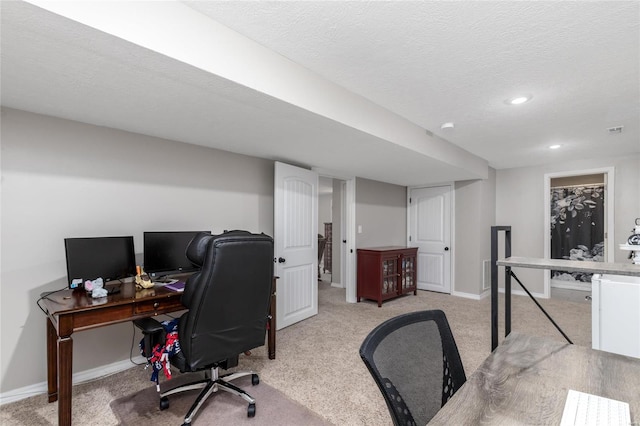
(164, 403)
(255, 379)
(251, 411)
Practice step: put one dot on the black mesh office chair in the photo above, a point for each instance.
(228, 302)
(414, 360)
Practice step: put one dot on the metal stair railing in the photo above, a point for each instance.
(507, 288)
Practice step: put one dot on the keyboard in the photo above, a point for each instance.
(165, 281)
(584, 409)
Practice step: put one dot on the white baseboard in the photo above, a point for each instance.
(487, 293)
(522, 293)
(571, 285)
(80, 377)
(467, 295)
(337, 285)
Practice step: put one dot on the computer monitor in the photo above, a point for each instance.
(109, 258)
(165, 252)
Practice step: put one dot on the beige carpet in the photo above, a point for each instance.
(317, 360)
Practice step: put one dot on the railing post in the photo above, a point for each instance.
(507, 284)
(494, 284)
(494, 288)
(508, 273)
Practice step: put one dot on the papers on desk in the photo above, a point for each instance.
(585, 409)
(175, 286)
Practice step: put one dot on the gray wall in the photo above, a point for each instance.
(520, 199)
(337, 224)
(66, 179)
(381, 210)
(475, 213)
(324, 203)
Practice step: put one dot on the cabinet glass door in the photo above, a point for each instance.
(408, 272)
(389, 276)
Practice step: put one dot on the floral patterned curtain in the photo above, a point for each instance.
(577, 227)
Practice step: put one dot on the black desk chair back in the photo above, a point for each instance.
(414, 360)
(228, 309)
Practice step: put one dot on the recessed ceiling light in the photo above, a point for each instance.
(448, 125)
(556, 146)
(518, 100)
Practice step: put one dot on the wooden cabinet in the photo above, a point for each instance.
(386, 272)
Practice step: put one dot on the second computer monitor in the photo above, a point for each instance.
(165, 252)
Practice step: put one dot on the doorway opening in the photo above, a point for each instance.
(325, 230)
(578, 221)
(333, 232)
(343, 230)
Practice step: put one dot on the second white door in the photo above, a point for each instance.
(430, 231)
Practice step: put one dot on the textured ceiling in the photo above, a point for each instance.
(426, 62)
(434, 62)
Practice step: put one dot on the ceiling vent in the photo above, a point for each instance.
(615, 130)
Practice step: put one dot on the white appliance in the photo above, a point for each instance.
(615, 314)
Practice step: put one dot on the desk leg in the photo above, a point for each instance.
(271, 335)
(52, 361)
(65, 368)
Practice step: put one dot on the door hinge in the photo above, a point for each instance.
(409, 237)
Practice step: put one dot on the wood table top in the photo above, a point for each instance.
(77, 300)
(572, 265)
(527, 378)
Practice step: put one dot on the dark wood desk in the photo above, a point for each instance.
(70, 311)
(526, 380)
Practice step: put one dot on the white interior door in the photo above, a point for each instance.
(296, 243)
(430, 231)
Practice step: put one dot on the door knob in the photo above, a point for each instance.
(446, 249)
(344, 241)
(281, 260)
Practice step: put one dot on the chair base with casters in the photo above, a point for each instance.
(211, 384)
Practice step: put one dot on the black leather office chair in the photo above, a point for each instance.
(228, 308)
(414, 360)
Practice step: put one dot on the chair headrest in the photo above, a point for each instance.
(197, 248)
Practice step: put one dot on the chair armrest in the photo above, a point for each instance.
(153, 333)
(148, 325)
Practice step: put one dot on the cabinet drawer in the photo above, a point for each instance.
(158, 306)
